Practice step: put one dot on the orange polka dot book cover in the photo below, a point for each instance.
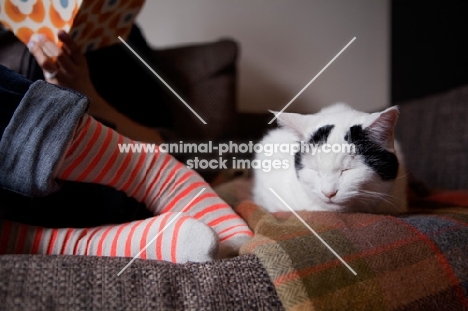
(92, 23)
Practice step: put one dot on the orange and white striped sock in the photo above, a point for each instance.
(157, 179)
(149, 239)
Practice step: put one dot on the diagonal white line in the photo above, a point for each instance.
(313, 231)
(167, 85)
(159, 233)
(316, 76)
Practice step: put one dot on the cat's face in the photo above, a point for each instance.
(353, 165)
(341, 181)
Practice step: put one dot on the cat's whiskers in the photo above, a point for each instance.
(351, 198)
(378, 180)
(380, 196)
(385, 194)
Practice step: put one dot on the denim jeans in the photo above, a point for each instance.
(12, 89)
(37, 122)
(37, 134)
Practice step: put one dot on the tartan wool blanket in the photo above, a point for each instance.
(414, 261)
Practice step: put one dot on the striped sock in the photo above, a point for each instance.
(156, 179)
(146, 238)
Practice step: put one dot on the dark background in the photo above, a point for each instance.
(429, 47)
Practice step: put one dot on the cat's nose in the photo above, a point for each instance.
(329, 193)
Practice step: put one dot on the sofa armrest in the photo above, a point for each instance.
(40, 282)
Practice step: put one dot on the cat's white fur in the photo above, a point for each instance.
(358, 187)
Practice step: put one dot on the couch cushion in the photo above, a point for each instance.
(204, 75)
(433, 132)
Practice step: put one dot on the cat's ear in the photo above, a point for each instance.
(382, 126)
(299, 123)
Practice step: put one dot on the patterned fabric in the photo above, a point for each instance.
(91, 23)
(416, 261)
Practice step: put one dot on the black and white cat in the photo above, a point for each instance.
(362, 171)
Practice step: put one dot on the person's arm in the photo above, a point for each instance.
(67, 67)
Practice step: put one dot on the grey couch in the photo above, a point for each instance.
(206, 76)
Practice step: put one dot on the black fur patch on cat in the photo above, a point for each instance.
(383, 162)
(297, 161)
(321, 135)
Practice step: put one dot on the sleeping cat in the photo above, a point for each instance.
(363, 172)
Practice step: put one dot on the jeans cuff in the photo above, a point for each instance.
(36, 138)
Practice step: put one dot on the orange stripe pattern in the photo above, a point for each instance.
(158, 180)
(126, 240)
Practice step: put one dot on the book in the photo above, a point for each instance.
(91, 23)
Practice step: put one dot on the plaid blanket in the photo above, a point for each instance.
(416, 261)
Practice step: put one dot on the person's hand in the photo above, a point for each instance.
(65, 66)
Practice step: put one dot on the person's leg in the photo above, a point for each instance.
(44, 128)
(157, 179)
(166, 237)
(12, 89)
(99, 204)
(41, 119)
(38, 124)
